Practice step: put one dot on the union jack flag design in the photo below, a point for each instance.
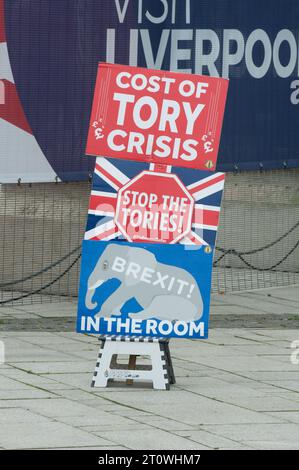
(110, 175)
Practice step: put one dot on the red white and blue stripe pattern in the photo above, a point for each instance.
(20, 154)
(110, 175)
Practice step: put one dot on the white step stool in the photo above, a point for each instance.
(160, 372)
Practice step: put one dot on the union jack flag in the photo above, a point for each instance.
(110, 175)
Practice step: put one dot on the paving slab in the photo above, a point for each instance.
(55, 407)
(27, 393)
(213, 441)
(236, 390)
(273, 445)
(284, 434)
(287, 415)
(161, 422)
(159, 439)
(35, 434)
(260, 305)
(200, 409)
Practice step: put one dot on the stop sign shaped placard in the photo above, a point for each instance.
(154, 207)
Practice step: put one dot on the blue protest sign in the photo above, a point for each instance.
(144, 289)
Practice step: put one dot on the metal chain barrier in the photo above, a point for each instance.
(42, 222)
(37, 291)
(47, 268)
(224, 252)
(241, 254)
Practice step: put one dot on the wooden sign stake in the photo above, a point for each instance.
(132, 365)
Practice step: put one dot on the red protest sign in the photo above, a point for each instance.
(156, 116)
(154, 207)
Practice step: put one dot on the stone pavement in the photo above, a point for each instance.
(237, 390)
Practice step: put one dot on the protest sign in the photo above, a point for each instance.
(140, 202)
(157, 116)
(144, 289)
(158, 205)
(132, 281)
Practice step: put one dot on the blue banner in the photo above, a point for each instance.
(144, 289)
(54, 48)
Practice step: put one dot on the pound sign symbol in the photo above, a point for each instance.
(207, 146)
(99, 133)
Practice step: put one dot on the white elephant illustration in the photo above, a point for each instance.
(163, 291)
